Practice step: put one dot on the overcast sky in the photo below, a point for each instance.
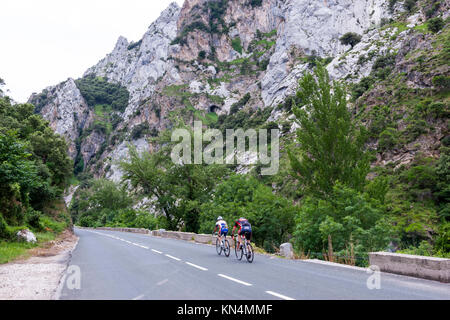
(44, 42)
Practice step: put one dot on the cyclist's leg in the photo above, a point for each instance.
(239, 238)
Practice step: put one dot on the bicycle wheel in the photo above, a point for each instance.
(218, 247)
(227, 248)
(237, 251)
(250, 253)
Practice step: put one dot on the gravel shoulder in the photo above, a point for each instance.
(38, 277)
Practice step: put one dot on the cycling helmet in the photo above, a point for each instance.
(219, 218)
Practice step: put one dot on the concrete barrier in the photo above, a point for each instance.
(131, 230)
(430, 268)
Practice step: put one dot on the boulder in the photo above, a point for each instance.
(26, 235)
(286, 250)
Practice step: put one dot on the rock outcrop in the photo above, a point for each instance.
(216, 56)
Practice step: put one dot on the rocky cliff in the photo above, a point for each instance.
(216, 57)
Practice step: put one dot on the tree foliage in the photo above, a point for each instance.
(34, 165)
(350, 38)
(271, 216)
(331, 146)
(177, 190)
(97, 91)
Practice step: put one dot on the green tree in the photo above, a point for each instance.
(331, 146)
(350, 38)
(348, 218)
(435, 24)
(101, 202)
(271, 216)
(178, 190)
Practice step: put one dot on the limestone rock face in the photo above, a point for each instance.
(67, 111)
(313, 28)
(138, 66)
(211, 59)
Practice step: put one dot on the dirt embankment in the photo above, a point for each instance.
(38, 277)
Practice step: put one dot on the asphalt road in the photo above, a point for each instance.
(126, 266)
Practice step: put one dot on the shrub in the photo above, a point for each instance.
(4, 232)
(140, 130)
(53, 225)
(134, 45)
(97, 91)
(350, 219)
(388, 139)
(202, 55)
(416, 128)
(441, 82)
(33, 219)
(382, 62)
(435, 24)
(238, 105)
(255, 3)
(360, 88)
(438, 110)
(350, 38)
(409, 5)
(237, 45)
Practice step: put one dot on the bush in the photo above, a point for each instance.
(388, 60)
(416, 128)
(388, 139)
(134, 45)
(255, 3)
(350, 38)
(140, 130)
(53, 225)
(236, 44)
(409, 5)
(202, 55)
(435, 24)
(4, 232)
(350, 218)
(442, 82)
(360, 88)
(33, 219)
(97, 91)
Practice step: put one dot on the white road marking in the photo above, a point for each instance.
(139, 297)
(235, 280)
(156, 251)
(162, 282)
(196, 266)
(172, 257)
(279, 295)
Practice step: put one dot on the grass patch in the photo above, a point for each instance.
(10, 251)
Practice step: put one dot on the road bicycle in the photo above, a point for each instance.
(223, 245)
(245, 249)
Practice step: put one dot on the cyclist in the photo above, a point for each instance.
(245, 228)
(222, 227)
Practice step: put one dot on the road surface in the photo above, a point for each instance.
(127, 266)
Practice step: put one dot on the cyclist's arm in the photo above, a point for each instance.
(215, 229)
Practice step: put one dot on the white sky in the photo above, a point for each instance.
(44, 42)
